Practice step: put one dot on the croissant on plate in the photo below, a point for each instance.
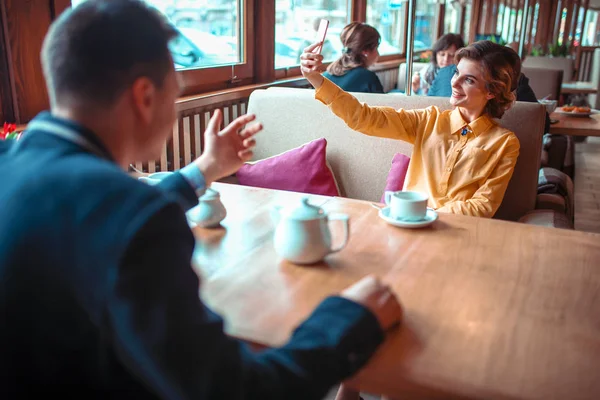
(583, 109)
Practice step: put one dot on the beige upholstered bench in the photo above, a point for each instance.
(292, 117)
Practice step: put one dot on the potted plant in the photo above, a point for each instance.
(425, 56)
(558, 50)
(538, 51)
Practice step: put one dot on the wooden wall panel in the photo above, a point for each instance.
(6, 98)
(59, 6)
(441, 15)
(359, 10)
(544, 24)
(26, 26)
(264, 36)
(476, 16)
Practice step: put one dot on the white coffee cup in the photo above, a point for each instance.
(407, 206)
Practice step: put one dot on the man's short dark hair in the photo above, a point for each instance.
(95, 51)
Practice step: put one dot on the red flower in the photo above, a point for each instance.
(7, 129)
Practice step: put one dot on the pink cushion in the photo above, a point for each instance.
(303, 169)
(395, 179)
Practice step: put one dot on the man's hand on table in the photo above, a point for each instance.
(378, 298)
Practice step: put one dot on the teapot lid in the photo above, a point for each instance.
(304, 211)
(210, 194)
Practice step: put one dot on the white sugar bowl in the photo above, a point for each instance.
(210, 210)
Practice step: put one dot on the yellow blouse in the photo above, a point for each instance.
(462, 173)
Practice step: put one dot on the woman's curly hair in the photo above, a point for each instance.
(501, 67)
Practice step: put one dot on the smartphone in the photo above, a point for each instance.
(321, 33)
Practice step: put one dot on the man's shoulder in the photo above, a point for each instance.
(82, 184)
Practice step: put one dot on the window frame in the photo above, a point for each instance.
(197, 80)
(357, 12)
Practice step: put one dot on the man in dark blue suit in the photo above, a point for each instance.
(97, 295)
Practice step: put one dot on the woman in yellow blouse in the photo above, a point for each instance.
(461, 158)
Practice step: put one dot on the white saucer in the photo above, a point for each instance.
(430, 217)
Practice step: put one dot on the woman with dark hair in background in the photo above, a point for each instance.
(350, 71)
(443, 52)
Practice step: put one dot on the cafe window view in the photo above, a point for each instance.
(296, 26)
(388, 18)
(426, 17)
(508, 17)
(452, 17)
(591, 29)
(208, 31)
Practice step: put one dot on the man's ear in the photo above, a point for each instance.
(143, 97)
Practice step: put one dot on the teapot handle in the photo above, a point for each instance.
(346, 220)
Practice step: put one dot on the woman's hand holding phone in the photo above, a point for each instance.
(311, 65)
(311, 61)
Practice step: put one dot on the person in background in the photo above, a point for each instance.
(97, 292)
(524, 91)
(442, 55)
(351, 70)
(462, 158)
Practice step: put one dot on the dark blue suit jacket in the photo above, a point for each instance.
(98, 299)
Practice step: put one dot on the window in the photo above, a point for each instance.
(425, 24)
(208, 31)
(387, 16)
(519, 26)
(452, 17)
(535, 21)
(508, 24)
(579, 28)
(500, 20)
(563, 20)
(591, 29)
(296, 25)
(467, 19)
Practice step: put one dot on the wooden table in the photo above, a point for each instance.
(578, 88)
(575, 126)
(494, 309)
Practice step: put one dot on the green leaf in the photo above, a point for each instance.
(13, 135)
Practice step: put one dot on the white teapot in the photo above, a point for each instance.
(302, 234)
(210, 211)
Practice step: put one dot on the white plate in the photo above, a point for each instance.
(576, 114)
(430, 217)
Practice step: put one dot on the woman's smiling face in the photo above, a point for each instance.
(469, 89)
